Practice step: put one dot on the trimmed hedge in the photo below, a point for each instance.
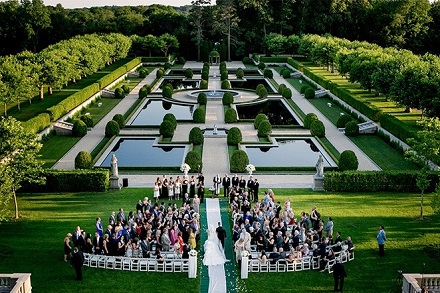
(79, 128)
(37, 123)
(167, 92)
(281, 88)
(194, 160)
(87, 119)
(120, 119)
(352, 129)
(170, 117)
(308, 120)
(240, 73)
(261, 91)
(227, 98)
(273, 59)
(125, 88)
(374, 181)
(397, 128)
(303, 88)
(203, 84)
(154, 59)
(261, 65)
(287, 93)
(234, 136)
(348, 161)
(119, 93)
(225, 85)
(196, 136)
(199, 115)
(268, 73)
(166, 128)
(317, 128)
(83, 160)
(144, 91)
(202, 99)
(295, 64)
(112, 128)
(309, 93)
(189, 73)
(343, 120)
(160, 73)
(239, 161)
(260, 117)
(230, 116)
(264, 128)
(115, 74)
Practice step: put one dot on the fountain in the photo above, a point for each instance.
(214, 94)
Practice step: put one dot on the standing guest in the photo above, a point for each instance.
(256, 189)
(226, 182)
(201, 178)
(329, 227)
(177, 187)
(185, 183)
(106, 244)
(221, 234)
(185, 200)
(242, 183)
(192, 186)
(381, 238)
(121, 217)
(239, 248)
(99, 226)
(112, 218)
(250, 187)
(196, 203)
(76, 236)
(145, 246)
(170, 189)
(98, 243)
(217, 181)
(77, 262)
(67, 246)
(201, 191)
(165, 187)
(192, 238)
(165, 240)
(339, 275)
(235, 181)
(156, 191)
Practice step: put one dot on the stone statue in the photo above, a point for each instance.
(320, 167)
(114, 166)
(215, 129)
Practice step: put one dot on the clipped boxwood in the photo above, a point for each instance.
(343, 120)
(227, 98)
(143, 72)
(166, 128)
(120, 119)
(144, 91)
(264, 128)
(234, 136)
(83, 160)
(167, 92)
(317, 128)
(189, 73)
(205, 74)
(170, 117)
(287, 93)
(204, 84)
(224, 75)
(304, 88)
(230, 116)
(246, 60)
(261, 65)
(261, 91)
(268, 73)
(285, 73)
(196, 136)
(125, 88)
(352, 129)
(112, 128)
(225, 85)
(239, 161)
(202, 99)
(348, 161)
(167, 65)
(194, 160)
(87, 119)
(79, 128)
(181, 60)
(260, 117)
(309, 93)
(240, 73)
(160, 73)
(310, 117)
(119, 93)
(281, 88)
(199, 115)
(37, 123)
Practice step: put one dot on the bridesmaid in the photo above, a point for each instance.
(192, 186)
(67, 246)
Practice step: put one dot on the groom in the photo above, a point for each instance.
(221, 234)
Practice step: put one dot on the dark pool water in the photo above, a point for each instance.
(152, 113)
(275, 110)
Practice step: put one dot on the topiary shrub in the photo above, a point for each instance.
(317, 128)
(352, 129)
(143, 92)
(303, 89)
(87, 119)
(160, 73)
(120, 119)
(261, 65)
(230, 116)
(225, 85)
(205, 74)
(260, 117)
(310, 117)
(234, 136)
(204, 84)
(261, 91)
(240, 73)
(285, 73)
(224, 75)
(239, 161)
(181, 60)
(167, 65)
(202, 99)
(264, 128)
(112, 128)
(170, 117)
(194, 160)
(281, 88)
(119, 93)
(342, 121)
(348, 161)
(309, 93)
(287, 93)
(246, 60)
(166, 128)
(227, 98)
(268, 73)
(79, 128)
(83, 160)
(125, 88)
(189, 73)
(143, 72)
(167, 92)
(199, 115)
(196, 136)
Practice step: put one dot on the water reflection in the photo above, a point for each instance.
(153, 111)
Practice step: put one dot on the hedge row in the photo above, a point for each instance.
(397, 127)
(373, 181)
(273, 59)
(154, 59)
(364, 107)
(71, 181)
(295, 64)
(112, 76)
(37, 123)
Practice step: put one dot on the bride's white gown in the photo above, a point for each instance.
(214, 254)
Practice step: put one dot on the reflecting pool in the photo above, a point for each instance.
(153, 111)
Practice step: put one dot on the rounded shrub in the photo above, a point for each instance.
(196, 136)
(246, 60)
(260, 117)
(234, 136)
(222, 65)
(203, 84)
(264, 128)
(143, 72)
(227, 98)
(170, 117)
(181, 60)
(342, 121)
(310, 117)
(167, 65)
(309, 93)
(83, 160)
(224, 75)
(199, 115)
(143, 93)
(303, 89)
(166, 128)
(348, 161)
(160, 73)
(287, 93)
(240, 73)
(261, 65)
(87, 119)
(125, 88)
(230, 116)
(225, 85)
(194, 160)
(189, 73)
(119, 93)
(79, 128)
(239, 161)
(205, 74)
(202, 99)
(281, 88)
(120, 119)
(317, 128)
(112, 128)
(268, 73)
(261, 91)
(167, 92)
(285, 73)
(352, 129)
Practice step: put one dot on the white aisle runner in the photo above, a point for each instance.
(217, 278)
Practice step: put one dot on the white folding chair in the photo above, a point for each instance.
(169, 266)
(143, 265)
(134, 264)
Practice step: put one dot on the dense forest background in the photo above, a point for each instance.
(409, 24)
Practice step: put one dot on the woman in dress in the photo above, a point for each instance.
(185, 184)
(177, 186)
(105, 244)
(67, 246)
(192, 186)
(192, 238)
(156, 192)
(170, 189)
(164, 187)
(214, 254)
(196, 203)
(99, 226)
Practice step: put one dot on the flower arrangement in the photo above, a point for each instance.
(185, 168)
(193, 252)
(250, 168)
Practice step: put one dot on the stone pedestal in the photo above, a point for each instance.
(192, 270)
(318, 183)
(114, 183)
(244, 265)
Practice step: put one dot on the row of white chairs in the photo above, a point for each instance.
(135, 264)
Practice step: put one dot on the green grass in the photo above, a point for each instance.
(34, 243)
(55, 147)
(332, 113)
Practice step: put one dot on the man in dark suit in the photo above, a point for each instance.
(235, 181)
(221, 234)
(226, 182)
(201, 191)
(77, 262)
(242, 183)
(338, 275)
(201, 179)
(250, 187)
(256, 189)
(98, 243)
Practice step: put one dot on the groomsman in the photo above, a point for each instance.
(256, 189)
(242, 183)
(235, 181)
(250, 187)
(226, 182)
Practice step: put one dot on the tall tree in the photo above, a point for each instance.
(226, 20)
(198, 20)
(34, 18)
(167, 41)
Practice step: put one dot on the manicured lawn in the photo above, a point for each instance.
(55, 147)
(34, 243)
(332, 113)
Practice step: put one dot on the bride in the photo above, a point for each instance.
(214, 254)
